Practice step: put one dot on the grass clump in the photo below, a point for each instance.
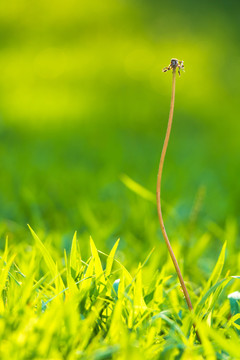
(69, 308)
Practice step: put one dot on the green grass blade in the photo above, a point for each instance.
(111, 258)
(137, 188)
(97, 263)
(210, 285)
(49, 262)
(217, 270)
(75, 256)
(5, 267)
(139, 303)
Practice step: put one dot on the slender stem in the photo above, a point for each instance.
(159, 178)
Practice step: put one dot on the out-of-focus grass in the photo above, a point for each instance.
(97, 61)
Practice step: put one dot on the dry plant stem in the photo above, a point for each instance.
(159, 178)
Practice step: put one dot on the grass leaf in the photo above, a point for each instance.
(49, 262)
(111, 258)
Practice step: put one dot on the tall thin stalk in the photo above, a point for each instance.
(174, 65)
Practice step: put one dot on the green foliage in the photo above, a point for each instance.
(97, 310)
(83, 108)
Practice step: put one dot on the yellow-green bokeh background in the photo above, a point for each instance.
(83, 100)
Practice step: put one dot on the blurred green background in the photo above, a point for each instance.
(83, 100)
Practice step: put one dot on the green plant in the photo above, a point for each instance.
(175, 64)
(72, 307)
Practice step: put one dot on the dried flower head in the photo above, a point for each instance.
(175, 64)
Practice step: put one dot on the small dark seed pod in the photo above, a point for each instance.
(174, 63)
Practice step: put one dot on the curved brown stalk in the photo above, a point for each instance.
(159, 178)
